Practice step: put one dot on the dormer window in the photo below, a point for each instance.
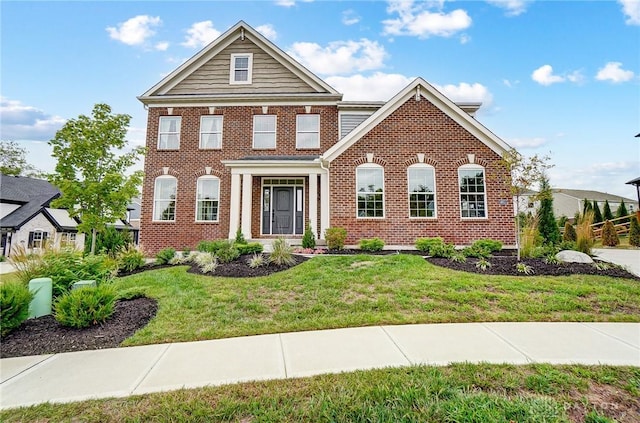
(241, 68)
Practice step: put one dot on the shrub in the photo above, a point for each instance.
(109, 241)
(211, 246)
(335, 238)
(84, 307)
(14, 305)
(256, 261)
(2, 258)
(566, 245)
(476, 251)
(569, 233)
(483, 264)
(424, 244)
(609, 235)
(524, 268)
(130, 258)
(28, 266)
(584, 234)
(281, 253)
(207, 262)
(491, 245)
(458, 258)
(240, 237)
(250, 248)
(227, 252)
(435, 247)
(165, 255)
(529, 239)
(634, 232)
(308, 239)
(372, 245)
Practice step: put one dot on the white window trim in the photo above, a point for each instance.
(232, 69)
(221, 117)
(164, 133)
(435, 198)
(298, 131)
(275, 133)
(484, 182)
(155, 199)
(212, 178)
(371, 166)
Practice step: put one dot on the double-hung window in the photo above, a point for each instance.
(164, 198)
(308, 131)
(264, 132)
(68, 240)
(207, 199)
(422, 192)
(370, 191)
(241, 68)
(211, 132)
(37, 239)
(169, 133)
(472, 192)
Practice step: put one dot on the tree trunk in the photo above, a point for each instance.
(93, 241)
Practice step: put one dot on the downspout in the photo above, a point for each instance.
(326, 169)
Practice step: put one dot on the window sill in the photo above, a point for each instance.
(163, 221)
(370, 218)
(206, 221)
(210, 149)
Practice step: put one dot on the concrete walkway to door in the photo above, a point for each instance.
(629, 259)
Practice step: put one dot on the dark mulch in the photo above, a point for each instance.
(506, 265)
(240, 269)
(45, 335)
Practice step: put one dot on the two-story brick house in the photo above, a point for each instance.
(243, 136)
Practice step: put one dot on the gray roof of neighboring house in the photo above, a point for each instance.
(581, 194)
(634, 181)
(31, 193)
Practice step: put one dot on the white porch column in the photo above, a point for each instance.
(324, 203)
(234, 206)
(247, 186)
(313, 203)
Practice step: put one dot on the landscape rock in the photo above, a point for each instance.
(571, 256)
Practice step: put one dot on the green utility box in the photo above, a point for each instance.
(84, 284)
(42, 289)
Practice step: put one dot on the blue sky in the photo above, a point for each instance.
(555, 77)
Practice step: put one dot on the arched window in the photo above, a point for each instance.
(164, 198)
(472, 191)
(421, 182)
(370, 190)
(207, 199)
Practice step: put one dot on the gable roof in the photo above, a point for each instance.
(243, 30)
(419, 88)
(31, 193)
(581, 194)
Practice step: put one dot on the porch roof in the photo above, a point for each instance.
(275, 165)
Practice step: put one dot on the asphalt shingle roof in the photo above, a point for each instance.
(33, 194)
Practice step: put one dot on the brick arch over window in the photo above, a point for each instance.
(478, 161)
(427, 161)
(203, 172)
(363, 160)
(161, 172)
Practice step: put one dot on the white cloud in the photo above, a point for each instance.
(610, 177)
(137, 136)
(162, 46)
(631, 9)
(464, 39)
(20, 122)
(613, 72)
(340, 57)
(350, 17)
(268, 31)
(200, 34)
(527, 142)
(416, 19)
(285, 3)
(377, 87)
(465, 92)
(544, 75)
(136, 30)
(512, 7)
(576, 77)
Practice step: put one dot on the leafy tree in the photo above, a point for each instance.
(597, 215)
(547, 226)
(606, 213)
(634, 232)
(13, 161)
(91, 169)
(524, 172)
(622, 211)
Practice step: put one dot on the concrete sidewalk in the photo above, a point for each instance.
(121, 372)
(629, 259)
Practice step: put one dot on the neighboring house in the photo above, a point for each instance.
(527, 202)
(27, 221)
(568, 202)
(241, 136)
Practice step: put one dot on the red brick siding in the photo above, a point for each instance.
(189, 162)
(420, 127)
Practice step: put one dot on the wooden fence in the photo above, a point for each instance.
(621, 225)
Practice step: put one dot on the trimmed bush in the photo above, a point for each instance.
(84, 307)
(372, 245)
(281, 253)
(211, 246)
(14, 305)
(634, 232)
(308, 239)
(130, 258)
(476, 251)
(240, 237)
(164, 256)
(569, 233)
(227, 252)
(435, 247)
(425, 244)
(335, 238)
(491, 245)
(609, 235)
(250, 248)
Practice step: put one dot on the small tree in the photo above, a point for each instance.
(634, 232)
(586, 206)
(90, 174)
(606, 213)
(597, 216)
(13, 161)
(240, 237)
(622, 212)
(569, 233)
(609, 235)
(308, 239)
(547, 226)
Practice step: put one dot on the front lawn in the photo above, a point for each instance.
(346, 291)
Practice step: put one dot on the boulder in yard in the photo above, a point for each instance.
(571, 256)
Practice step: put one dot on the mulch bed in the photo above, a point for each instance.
(45, 335)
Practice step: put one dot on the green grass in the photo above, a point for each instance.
(345, 291)
(456, 393)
